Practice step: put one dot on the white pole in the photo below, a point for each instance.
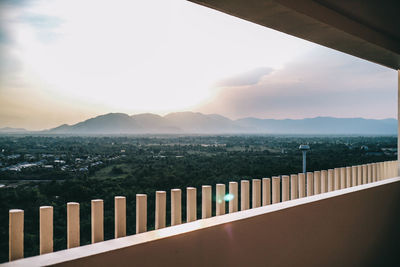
(398, 124)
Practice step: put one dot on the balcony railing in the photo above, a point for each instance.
(264, 192)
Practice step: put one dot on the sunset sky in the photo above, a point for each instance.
(63, 61)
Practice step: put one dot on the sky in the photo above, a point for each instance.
(64, 61)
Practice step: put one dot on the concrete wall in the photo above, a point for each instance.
(357, 226)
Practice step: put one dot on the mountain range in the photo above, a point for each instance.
(198, 123)
(191, 122)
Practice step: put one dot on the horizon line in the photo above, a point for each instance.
(194, 112)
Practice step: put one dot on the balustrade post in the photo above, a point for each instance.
(176, 206)
(161, 208)
(331, 180)
(276, 189)
(354, 175)
(16, 234)
(73, 225)
(294, 186)
(317, 182)
(364, 174)
(348, 177)
(285, 188)
(244, 195)
(324, 181)
(220, 201)
(382, 174)
(337, 178)
(206, 201)
(266, 191)
(374, 172)
(256, 195)
(191, 204)
(141, 213)
(302, 185)
(369, 173)
(119, 216)
(97, 216)
(310, 184)
(342, 177)
(359, 174)
(46, 229)
(233, 201)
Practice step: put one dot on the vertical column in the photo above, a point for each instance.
(364, 174)
(342, 177)
(302, 185)
(398, 125)
(244, 195)
(206, 203)
(336, 178)
(393, 169)
(119, 216)
(220, 201)
(266, 191)
(161, 208)
(294, 186)
(191, 204)
(276, 190)
(141, 213)
(359, 174)
(233, 192)
(16, 234)
(348, 177)
(373, 172)
(386, 169)
(73, 225)
(378, 171)
(392, 166)
(256, 195)
(46, 229)
(369, 173)
(310, 184)
(176, 208)
(354, 175)
(331, 180)
(317, 182)
(324, 181)
(285, 188)
(97, 220)
(382, 170)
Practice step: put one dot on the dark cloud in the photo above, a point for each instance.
(248, 78)
(323, 83)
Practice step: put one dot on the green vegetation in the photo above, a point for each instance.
(85, 168)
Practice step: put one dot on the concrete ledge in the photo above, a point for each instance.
(355, 226)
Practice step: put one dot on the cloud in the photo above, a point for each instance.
(322, 83)
(244, 79)
(40, 21)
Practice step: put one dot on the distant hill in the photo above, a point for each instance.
(12, 130)
(321, 125)
(191, 122)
